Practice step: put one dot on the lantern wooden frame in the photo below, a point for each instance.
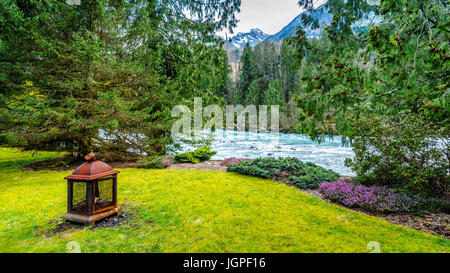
(92, 208)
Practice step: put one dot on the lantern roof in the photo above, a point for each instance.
(91, 170)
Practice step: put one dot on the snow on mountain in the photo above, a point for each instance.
(254, 37)
(324, 18)
(321, 13)
(236, 45)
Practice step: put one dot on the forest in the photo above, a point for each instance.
(74, 73)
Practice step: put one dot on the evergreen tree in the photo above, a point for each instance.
(247, 73)
(252, 96)
(103, 76)
(272, 69)
(273, 94)
(385, 89)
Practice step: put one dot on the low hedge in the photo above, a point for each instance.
(155, 162)
(288, 170)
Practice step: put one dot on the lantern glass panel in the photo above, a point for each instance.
(79, 203)
(104, 194)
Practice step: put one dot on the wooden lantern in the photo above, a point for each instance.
(91, 192)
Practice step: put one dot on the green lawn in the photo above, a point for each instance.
(192, 211)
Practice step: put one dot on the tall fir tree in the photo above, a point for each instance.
(103, 75)
(384, 88)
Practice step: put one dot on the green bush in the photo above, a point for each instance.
(197, 156)
(3, 139)
(186, 158)
(154, 165)
(434, 205)
(157, 162)
(405, 159)
(288, 170)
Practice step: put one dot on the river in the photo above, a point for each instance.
(330, 154)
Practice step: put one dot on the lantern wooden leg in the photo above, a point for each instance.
(114, 191)
(69, 195)
(90, 197)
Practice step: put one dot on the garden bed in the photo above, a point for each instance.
(434, 223)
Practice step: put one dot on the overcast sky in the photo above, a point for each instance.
(268, 15)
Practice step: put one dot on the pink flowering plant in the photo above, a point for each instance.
(227, 162)
(375, 199)
(167, 161)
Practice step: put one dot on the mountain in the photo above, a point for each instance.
(254, 37)
(237, 44)
(321, 13)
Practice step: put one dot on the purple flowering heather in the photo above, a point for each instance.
(376, 198)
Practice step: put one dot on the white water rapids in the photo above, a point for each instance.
(238, 144)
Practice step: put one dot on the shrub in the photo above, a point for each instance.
(186, 158)
(374, 199)
(154, 165)
(433, 205)
(227, 162)
(203, 153)
(411, 156)
(157, 162)
(289, 170)
(197, 156)
(313, 177)
(3, 139)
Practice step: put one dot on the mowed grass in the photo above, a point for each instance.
(191, 211)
